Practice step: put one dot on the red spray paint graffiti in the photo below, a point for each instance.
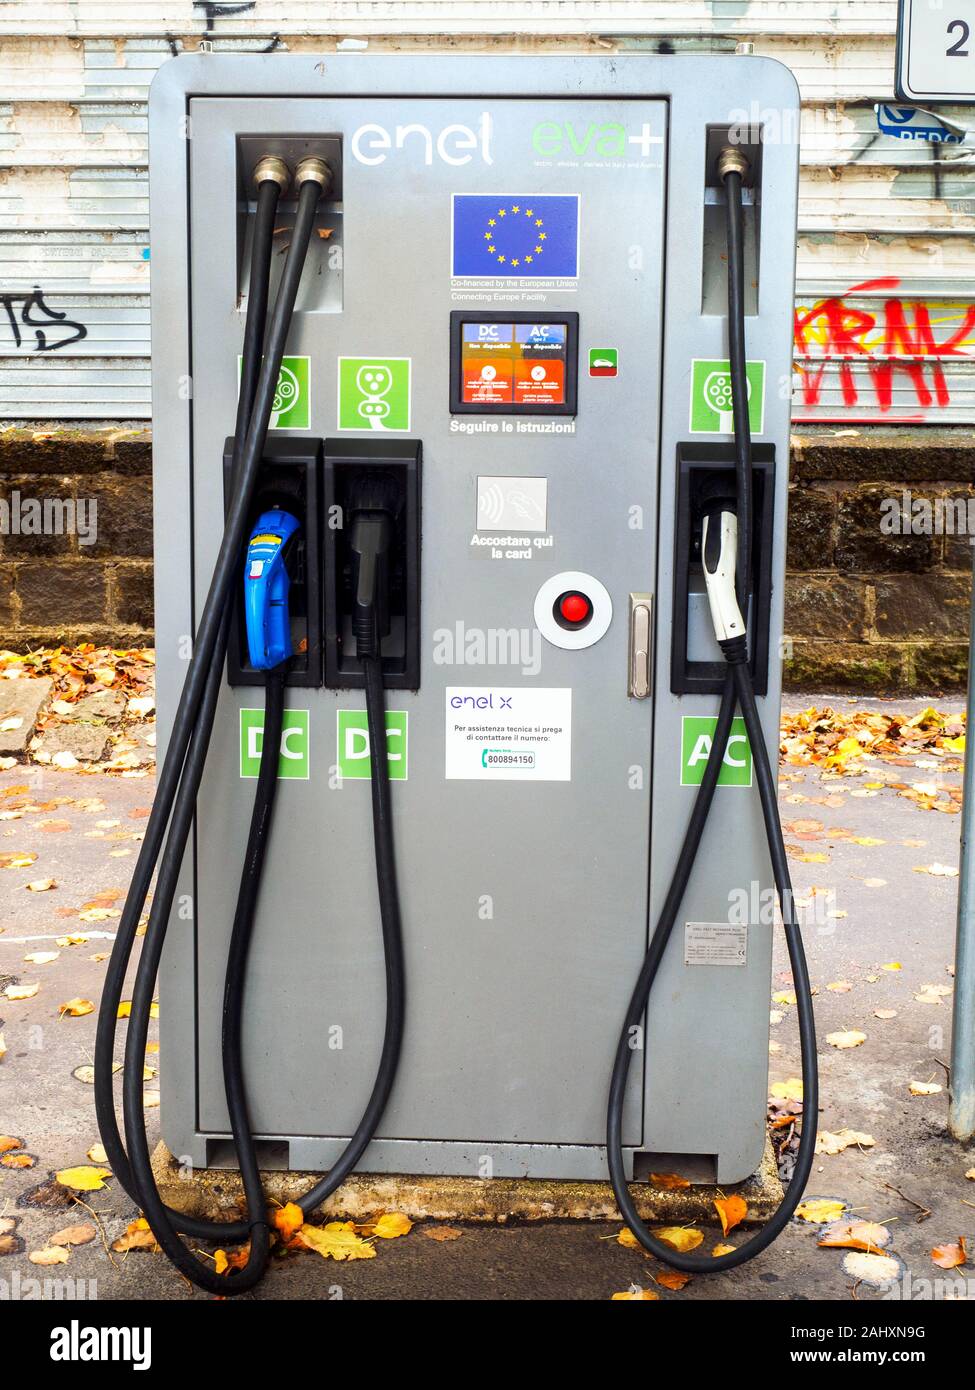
(899, 338)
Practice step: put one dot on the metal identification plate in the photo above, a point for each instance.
(715, 943)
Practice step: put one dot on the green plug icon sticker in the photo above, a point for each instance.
(712, 410)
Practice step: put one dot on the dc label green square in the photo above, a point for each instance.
(294, 760)
(353, 754)
(697, 735)
(374, 393)
(711, 411)
(291, 407)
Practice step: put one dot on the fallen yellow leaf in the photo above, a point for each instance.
(392, 1224)
(680, 1238)
(83, 1179)
(337, 1241)
(671, 1182)
(647, 1295)
(787, 1090)
(287, 1220)
(76, 1008)
(18, 1160)
(924, 1088)
(732, 1211)
(850, 1038)
(820, 1210)
(21, 991)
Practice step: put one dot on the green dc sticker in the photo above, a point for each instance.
(291, 407)
(374, 393)
(697, 734)
(354, 756)
(711, 411)
(293, 761)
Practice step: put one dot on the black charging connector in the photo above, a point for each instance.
(375, 503)
(371, 501)
(705, 474)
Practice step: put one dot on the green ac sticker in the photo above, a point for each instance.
(293, 760)
(711, 411)
(291, 407)
(374, 393)
(353, 752)
(697, 735)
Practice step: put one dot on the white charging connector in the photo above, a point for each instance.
(719, 542)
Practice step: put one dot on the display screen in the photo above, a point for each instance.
(514, 364)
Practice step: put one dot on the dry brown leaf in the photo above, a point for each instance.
(950, 1256)
(441, 1232)
(138, 1236)
(52, 1255)
(855, 1235)
(74, 1235)
(672, 1279)
(827, 1143)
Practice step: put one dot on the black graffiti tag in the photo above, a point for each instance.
(39, 317)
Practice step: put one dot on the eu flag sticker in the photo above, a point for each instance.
(520, 236)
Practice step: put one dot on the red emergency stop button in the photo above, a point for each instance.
(572, 609)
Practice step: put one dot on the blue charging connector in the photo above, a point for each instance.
(266, 586)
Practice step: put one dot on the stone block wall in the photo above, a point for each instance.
(55, 587)
(869, 607)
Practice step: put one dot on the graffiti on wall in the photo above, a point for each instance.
(871, 355)
(31, 322)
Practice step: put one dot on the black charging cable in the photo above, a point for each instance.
(174, 807)
(738, 691)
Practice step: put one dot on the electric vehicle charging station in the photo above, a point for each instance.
(513, 315)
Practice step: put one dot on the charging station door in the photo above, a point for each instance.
(524, 888)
